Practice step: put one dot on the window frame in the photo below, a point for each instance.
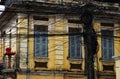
(106, 38)
(42, 27)
(75, 43)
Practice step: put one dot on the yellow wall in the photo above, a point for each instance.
(57, 59)
(98, 63)
(21, 76)
(1, 54)
(117, 69)
(50, 76)
(117, 42)
(56, 56)
(57, 46)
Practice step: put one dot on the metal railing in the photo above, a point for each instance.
(10, 2)
(6, 61)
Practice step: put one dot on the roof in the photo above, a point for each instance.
(30, 7)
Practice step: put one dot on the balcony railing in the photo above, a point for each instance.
(6, 62)
(10, 2)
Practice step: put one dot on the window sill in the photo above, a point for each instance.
(75, 61)
(38, 69)
(108, 65)
(75, 64)
(107, 62)
(41, 59)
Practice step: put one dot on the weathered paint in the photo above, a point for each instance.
(57, 47)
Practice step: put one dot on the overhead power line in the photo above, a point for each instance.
(56, 34)
(109, 1)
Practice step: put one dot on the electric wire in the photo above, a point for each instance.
(67, 34)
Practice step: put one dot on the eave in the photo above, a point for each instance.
(5, 18)
(47, 9)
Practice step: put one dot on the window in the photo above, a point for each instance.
(108, 67)
(40, 18)
(74, 21)
(41, 64)
(107, 24)
(75, 47)
(75, 66)
(41, 41)
(107, 44)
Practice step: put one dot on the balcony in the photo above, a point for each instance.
(9, 63)
(10, 2)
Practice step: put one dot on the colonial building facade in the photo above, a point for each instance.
(46, 41)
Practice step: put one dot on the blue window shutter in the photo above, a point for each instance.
(45, 45)
(104, 48)
(37, 47)
(75, 47)
(111, 47)
(41, 43)
(72, 47)
(107, 46)
(78, 46)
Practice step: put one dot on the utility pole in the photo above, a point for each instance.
(27, 60)
(90, 41)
